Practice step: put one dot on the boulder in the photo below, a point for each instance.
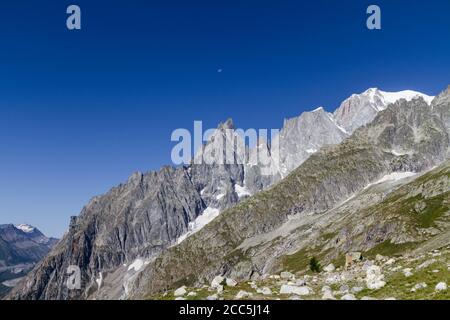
(333, 279)
(328, 295)
(287, 275)
(425, 264)
(265, 291)
(379, 257)
(419, 286)
(231, 282)
(441, 286)
(357, 289)
(407, 272)
(325, 288)
(390, 262)
(300, 282)
(180, 292)
(367, 264)
(348, 296)
(217, 281)
(344, 288)
(253, 285)
(374, 278)
(243, 294)
(290, 289)
(329, 268)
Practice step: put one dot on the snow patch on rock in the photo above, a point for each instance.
(202, 220)
(25, 228)
(241, 191)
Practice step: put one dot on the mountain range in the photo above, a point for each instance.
(337, 174)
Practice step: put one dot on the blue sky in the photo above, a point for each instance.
(81, 110)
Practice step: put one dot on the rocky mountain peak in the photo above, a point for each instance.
(135, 178)
(319, 109)
(228, 124)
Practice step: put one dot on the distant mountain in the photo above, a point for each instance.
(21, 247)
(361, 109)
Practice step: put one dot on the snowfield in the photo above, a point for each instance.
(202, 220)
(25, 228)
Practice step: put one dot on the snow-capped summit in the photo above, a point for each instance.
(25, 228)
(391, 97)
(387, 98)
(360, 109)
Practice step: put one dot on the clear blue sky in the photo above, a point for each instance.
(80, 111)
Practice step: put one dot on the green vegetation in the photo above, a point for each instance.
(387, 248)
(328, 236)
(296, 262)
(301, 260)
(435, 208)
(314, 265)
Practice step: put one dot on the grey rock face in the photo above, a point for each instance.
(216, 181)
(305, 135)
(440, 108)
